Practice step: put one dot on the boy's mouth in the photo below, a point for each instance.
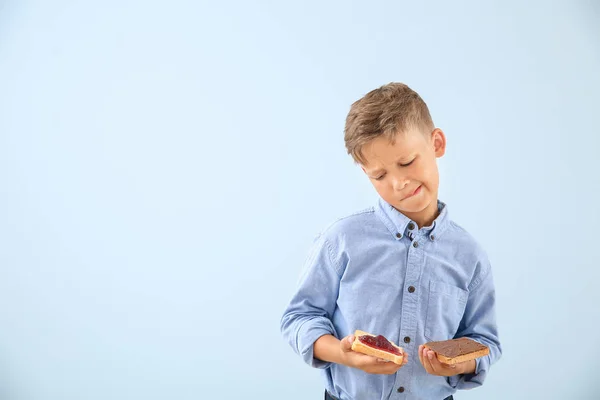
(417, 191)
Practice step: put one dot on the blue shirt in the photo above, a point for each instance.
(358, 275)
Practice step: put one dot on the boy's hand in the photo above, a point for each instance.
(433, 366)
(369, 364)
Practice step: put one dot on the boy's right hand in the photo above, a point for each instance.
(369, 364)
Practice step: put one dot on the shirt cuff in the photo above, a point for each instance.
(308, 334)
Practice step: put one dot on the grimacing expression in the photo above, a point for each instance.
(405, 173)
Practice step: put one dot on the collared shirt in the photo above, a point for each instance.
(378, 272)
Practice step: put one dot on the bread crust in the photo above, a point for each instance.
(463, 358)
(360, 347)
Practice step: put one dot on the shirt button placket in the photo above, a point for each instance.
(410, 300)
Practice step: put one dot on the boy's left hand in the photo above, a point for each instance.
(433, 366)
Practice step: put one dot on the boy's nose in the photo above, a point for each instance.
(400, 184)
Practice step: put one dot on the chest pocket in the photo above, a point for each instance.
(445, 308)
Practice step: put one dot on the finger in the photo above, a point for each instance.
(423, 358)
(440, 366)
(391, 368)
(367, 360)
(395, 367)
(346, 343)
(421, 355)
(380, 366)
(378, 361)
(431, 359)
(426, 362)
(359, 360)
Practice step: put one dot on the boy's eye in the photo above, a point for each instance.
(407, 164)
(380, 177)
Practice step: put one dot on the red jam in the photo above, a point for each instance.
(379, 342)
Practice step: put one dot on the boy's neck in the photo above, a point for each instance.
(425, 217)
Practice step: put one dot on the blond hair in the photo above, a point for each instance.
(385, 111)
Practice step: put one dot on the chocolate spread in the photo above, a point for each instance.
(455, 347)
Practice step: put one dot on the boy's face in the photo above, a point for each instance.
(405, 173)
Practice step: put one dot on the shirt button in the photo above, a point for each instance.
(399, 235)
(432, 237)
(401, 389)
(415, 244)
(411, 289)
(406, 339)
(411, 226)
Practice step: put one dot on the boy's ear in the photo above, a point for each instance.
(439, 142)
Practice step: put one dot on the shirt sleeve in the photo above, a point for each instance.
(479, 323)
(309, 313)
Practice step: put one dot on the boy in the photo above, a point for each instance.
(401, 269)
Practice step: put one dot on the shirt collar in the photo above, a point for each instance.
(400, 225)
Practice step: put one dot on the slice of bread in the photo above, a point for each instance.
(459, 350)
(360, 347)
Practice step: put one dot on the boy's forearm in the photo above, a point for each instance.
(327, 348)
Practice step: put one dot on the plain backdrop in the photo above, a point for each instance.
(164, 167)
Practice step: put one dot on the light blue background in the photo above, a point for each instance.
(165, 166)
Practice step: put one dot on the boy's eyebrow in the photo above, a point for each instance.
(375, 171)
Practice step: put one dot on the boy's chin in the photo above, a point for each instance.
(412, 210)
